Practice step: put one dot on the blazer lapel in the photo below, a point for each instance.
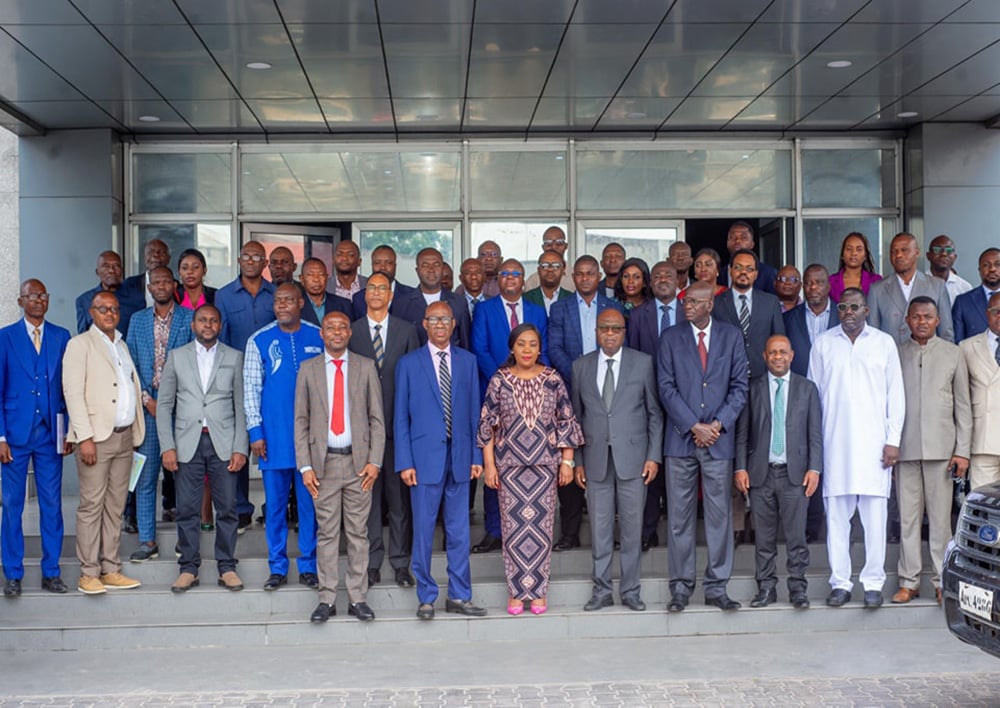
(216, 362)
(25, 350)
(896, 293)
(355, 395)
(428, 366)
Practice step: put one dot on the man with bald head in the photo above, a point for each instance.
(941, 256)
(32, 420)
(131, 299)
(680, 258)
(318, 300)
(491, 257)
(281, 265)
(273, 356)
(779, 459)
(553, 241)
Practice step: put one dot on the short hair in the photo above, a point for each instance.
(586, 258)
(314, 259)
(513, 337)
(816, 266)
(712, 253)
(991, 249)
(426, 250)
(192, 252)
(745, 225)
(613, 244)
(745, 252)
(384, 247)
(922, 300)
(206, 306)
(854, 291)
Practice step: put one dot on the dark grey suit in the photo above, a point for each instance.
(617, 443)
(401, 338)
(765, 320)
(776, 490)
(887, 306)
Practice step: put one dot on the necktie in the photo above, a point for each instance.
(778, 422)
(444, 380)
(664, 318)
(513, 315)
(337, 419)
(996, 353)
(608, 390)
(702, 351)
(472, 306)
(744, 315)
(377, 346)
(36, 338)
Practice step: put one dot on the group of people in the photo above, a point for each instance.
(368, 403)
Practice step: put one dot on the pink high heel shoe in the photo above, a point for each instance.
(513, 609)
(539, 609)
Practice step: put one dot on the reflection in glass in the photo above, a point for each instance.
(517, 180)
(650, 244)
(170, 183)
(517, 239)
(822, 239)
(848, 178)
(213, 240)
(407, 243)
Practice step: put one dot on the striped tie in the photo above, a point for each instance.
(444, 379)
(744, 315)
(379, 349)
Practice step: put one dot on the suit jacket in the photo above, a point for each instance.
(142, 343)
(90, 382)
(968, 314)
(644, 323)
(797, 332)
(765, 320)
(938, 422)
(183, 407)
(360, 308)
(632, 428)
(803, 430)
(534, 296)
(887, 306)
(491, 330)
(130, 301)
(566, 335)
(402, 338)
(421, 437)
(312, 414)
(138, 284)
(17, 379)
(984, 390)
(411, 307)
(690, 395)
(334, 303)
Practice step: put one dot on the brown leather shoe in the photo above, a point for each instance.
(904, 595)
(231, 581)
(185, 581)
(937, 595)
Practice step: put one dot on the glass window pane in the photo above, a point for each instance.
(407, 243)
(197, 183)
(651, 244)
(517, 239)
(848, 178)
(724, 180)
(518, 180)
(823, 238)
(213, 240)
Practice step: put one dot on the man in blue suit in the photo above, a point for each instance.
(109, 274)
(412, 304)
(702, 372)
(32, 422)
(573, 333)
(969, 311)
(805, 322)
(495, 319)
(435, 421)
(153, 332)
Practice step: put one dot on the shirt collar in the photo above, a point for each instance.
(31, 328)
(616, 357)
(330, 359)
(434, 349)
(383, 322)
(202, 349)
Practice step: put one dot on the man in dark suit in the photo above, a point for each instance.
(32, 423)
(741, 238)
(969, 311)
(155, 254)
(623, 425)
(412, 305)
(755, 312)
(702, 375)
(645, 325)
(109, 274)
(384, 338)
(384, 262)
(779, 459)
(436, 419)
(318, 300)
(551, 268)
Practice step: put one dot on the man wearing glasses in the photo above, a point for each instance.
(551, 271)
(857, 371)
(941, 255)
(553, 241)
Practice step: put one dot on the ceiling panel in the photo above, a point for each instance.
(322, 11)
(774, 112)
(358, 113)
(228, 13)
(976, 11)
(217, 115)
(798, 11)
(426, 60)
(428, 113)
(843, 112)
(627, 11)
(980, 108)
(925, 107)
(128, 113)
(426, 11)
(342, 59)
(524, 11)
(56, 115)
(974, 75)
(908, 10)
(235, 46)
(574, 113)
(637, 113)
(511, 60)
(291, 114)
(39, 12)
(717, 10)
(127, 12)
(707, 112)
(489, 113)
(25, 78)
(594, 59)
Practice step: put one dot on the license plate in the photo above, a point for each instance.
(975, 601)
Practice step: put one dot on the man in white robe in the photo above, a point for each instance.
(856, 369)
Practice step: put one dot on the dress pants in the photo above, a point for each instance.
(145, 488)
(243, 505)
(189, 486)
(983, 469)
(716, 477)
(103, 488)
(923, 486)
(655, 491)
(491, 512)
(389, 487)
(341, 499)
(778, 501)
(873, 512)
(41, 448)
(570, 511)
(629, 495)
(277, 484)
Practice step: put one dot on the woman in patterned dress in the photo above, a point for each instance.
(528, 433)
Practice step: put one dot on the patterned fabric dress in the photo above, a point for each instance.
(529, 420)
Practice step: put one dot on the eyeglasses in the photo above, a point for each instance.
(435, 321)
(489, 254)
(252, 258)
(697, 301)
(510, 274)
(788, 279)
(845, 306)
(993, 311)
(610, 328)
(36, 297)
(107, 309)
(554, 242)
(942, 249)
(379, 288)
(549, 266)
(740, 268)
(285, 300)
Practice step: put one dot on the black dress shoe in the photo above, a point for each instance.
(361, 610)
(651, 541)
(12, 588)
(404, 578)
(245, 521)
(170, 515)
(322, 613)
(596, 602)
(488, 544)
(425, 611)
(275, 581)
(838, 598)
(799, 601)
(634, 603)
(54, 584)
(873, 599)
(129, 525)
(566, 543)
(464, 607)
(723, 602)
(310, 580)
(374, 576)
(678, 602)
(764, 598)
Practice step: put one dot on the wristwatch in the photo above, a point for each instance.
(570, 463)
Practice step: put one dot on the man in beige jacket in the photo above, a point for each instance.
(104, 403)
(982, 358)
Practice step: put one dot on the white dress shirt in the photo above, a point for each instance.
(125, 405)
(518, 308)
(602, 369)
(431, 298)
(344, 439)
(206, 360)
(41, 330)
(382, 332)
(737, 295)
(708, 335)
(907, 288)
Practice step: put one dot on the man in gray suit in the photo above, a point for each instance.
(888, 298)
(623, 425)
(779, 459)
(202, 430)
(339, 442)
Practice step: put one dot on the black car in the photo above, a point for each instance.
(970, 578)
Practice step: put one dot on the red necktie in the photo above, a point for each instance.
(337, 419)
(513, 315)
(702, 351)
